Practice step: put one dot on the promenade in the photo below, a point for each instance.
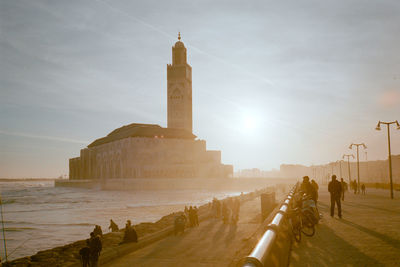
(367, 235)
(210, 244)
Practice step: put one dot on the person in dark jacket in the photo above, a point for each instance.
(307, 188)
(85, 254)
(335, 189)
(97, 231)
(95, 247)
(316, 187)
(343, 184)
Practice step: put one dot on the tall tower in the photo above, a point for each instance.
(179, 79)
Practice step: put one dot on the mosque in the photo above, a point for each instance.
(150, 151)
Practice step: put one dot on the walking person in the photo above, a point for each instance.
(195, 216)
(355, 187)
(363, 189)
(335, 189)
(343, 184)
(191, 217)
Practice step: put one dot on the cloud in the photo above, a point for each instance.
(389, 99)
(45, 137)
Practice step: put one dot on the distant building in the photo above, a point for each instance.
(151, 151)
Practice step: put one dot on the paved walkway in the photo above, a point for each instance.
(210, 244)
(367, 235)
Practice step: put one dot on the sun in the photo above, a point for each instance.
(249, 123)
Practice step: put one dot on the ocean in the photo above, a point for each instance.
(39, 216)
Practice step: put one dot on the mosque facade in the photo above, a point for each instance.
(149, 150)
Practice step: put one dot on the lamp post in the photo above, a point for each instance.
(358, 163)
(378, 128)
(340, 167)
(348, 164)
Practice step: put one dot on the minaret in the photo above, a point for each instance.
(179, 79)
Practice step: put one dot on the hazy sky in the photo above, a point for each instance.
(273, 81)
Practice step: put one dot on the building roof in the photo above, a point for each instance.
(143, 130)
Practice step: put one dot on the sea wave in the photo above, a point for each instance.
(17, 229)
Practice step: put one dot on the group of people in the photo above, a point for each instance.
(192, 214)
(336, 189)
(91, 252)
(181, 220)
(354, 187)
(310, 188)
(229, 209)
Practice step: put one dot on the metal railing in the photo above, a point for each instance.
(260, 253)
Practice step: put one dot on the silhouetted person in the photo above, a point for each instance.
(335, 189)
(95, 249)
(307, 188)
(225, 212)
(113, 226)
(235, 210)
(363, 189)
(216, 208)
(186, 211)
(343, 184)
(191, 216)
(130, 234)
(355, 186)
(316, 188)
(85, 254)
(179, 224)
(195, 216)
(97, 231)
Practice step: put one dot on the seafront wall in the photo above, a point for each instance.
(148, 233)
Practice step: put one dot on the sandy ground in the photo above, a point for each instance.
(367, 235)
(211, 244)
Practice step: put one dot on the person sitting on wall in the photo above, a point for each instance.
(97, 231)
(130, 234)
(113, 226)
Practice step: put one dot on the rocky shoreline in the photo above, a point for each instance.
(68, 255)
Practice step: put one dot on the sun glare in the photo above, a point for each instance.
(249, 123)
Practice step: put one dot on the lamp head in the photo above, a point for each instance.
(350, 146)
(365, 147)
(378, 126)
(398, 125)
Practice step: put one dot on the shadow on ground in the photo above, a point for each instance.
(332, 251)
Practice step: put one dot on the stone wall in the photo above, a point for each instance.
(148, 158)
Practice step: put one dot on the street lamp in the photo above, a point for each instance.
(358, 163)
(340, 166)
(348, 164)
(378, 128)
